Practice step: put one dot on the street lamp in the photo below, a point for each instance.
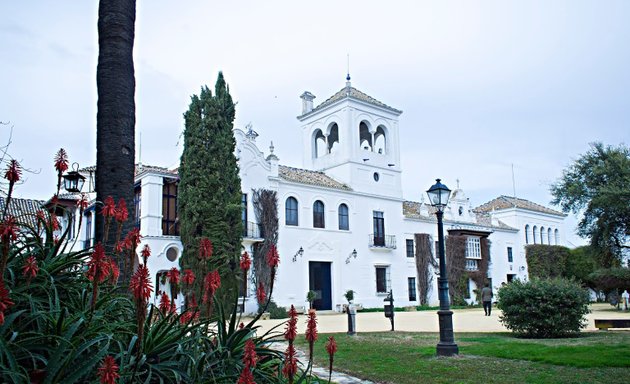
(438, 196)
(73, 180)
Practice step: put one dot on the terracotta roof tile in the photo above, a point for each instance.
(355, 94)
(304, 176)
(24, 210)
(411, 209)
(507, 202)
(140, 168)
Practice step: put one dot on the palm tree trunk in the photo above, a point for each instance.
(116, 116)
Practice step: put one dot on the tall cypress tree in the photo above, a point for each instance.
(209, 194)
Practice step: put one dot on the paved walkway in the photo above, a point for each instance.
(464, 320)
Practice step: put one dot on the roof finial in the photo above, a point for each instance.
(457, 182)
(348, 75)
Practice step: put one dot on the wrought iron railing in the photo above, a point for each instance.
(384, 241)
(252, 230)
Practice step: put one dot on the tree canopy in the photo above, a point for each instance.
(597, 185)
(209, 193)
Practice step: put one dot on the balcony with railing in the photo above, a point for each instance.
(382, 242)
(252, 232)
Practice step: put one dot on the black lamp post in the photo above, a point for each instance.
(438, 196)
(73, 180)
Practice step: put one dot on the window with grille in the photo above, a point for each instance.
(382, 279)
(291, 211)
(410, 250)
(244, 213)
(473, 248)
(411, 284)
(170, 226)
(318, 215)
(137, 200)
(344, 222)
(379, 228)
(88, 230)
(509, 254)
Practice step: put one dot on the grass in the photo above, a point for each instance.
(399, 357)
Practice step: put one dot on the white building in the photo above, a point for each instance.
(343, 221)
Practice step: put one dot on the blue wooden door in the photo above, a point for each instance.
(320, 283)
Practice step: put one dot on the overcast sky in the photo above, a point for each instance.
(485, 86)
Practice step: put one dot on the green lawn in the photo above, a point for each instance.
(400, 357)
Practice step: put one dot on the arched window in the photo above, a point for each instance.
(320, 147)
(534, 233)
(344, 222)
(291, 211)
(380, 143)
(333, 138)
(542, 235)
(318, 214)
(527, 234)
(365, 137)
(549, 237)
(557, 236)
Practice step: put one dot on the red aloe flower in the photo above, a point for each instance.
(132, 239)
(291, 331)
(83, 202)
(14, 172)
(246, 377)
(246, 262)
(114, 271)
(109, 207)
(249, 355)
(98, 265)
(121, 214)
(165, 303)
(189, 277)
(61, 161)
(8, 229)
(241, 325)
(5, 301)
(260, 293)
(30, 267)
(54, 222)
(118, 247)
(311, 331)
(290, 363)
(146, 252)
(273, 258)
(331, 348)
(173, 276)
(211, 283)
(140, 284)
(41, 219)
(108, 371)
(186, 317)
(205, 248)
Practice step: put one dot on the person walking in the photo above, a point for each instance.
(486, 299)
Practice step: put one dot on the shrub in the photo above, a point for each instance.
(275, 312)
(543, 308)
(611, 279)
(349, 295)
(545, 261)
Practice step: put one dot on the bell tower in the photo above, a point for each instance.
(353, 138)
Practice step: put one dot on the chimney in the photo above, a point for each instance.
(307, 102)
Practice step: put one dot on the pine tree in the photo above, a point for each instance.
(209, 194)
